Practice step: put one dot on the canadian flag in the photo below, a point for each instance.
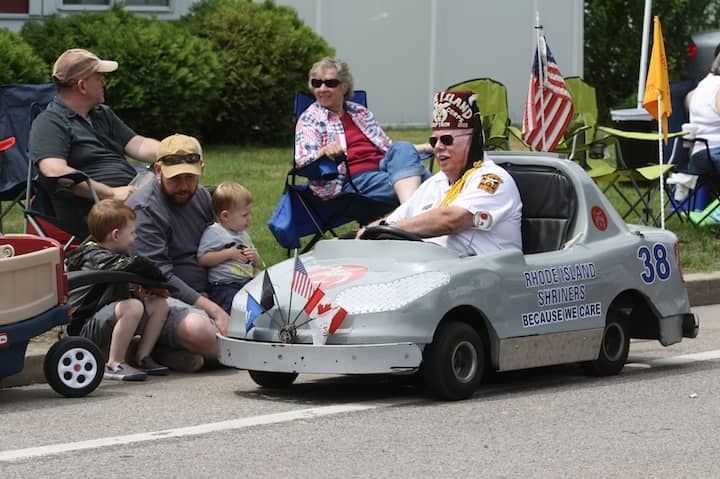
(326, 320)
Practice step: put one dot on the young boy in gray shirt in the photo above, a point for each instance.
(225, 247)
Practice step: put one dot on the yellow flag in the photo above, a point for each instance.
(658, 83)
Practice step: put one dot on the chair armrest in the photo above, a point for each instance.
(61, 186)
(7, 143)
(323, 168)
(636, 135)
(517, 134)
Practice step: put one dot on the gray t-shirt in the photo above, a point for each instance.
(216, 238)
(95, 147)
(169, 236)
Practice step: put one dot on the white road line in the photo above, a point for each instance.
(20, 454)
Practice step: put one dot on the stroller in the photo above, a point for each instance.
(33, 290)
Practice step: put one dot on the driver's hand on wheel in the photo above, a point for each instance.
(361, 231)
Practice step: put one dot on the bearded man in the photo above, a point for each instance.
(172, 213)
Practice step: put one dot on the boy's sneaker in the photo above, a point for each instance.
(123, 372)
(179, 359)
(150, 367)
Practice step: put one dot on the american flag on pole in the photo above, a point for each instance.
(549, 106)
(301, 283)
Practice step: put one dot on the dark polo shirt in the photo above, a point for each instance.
(96, 147)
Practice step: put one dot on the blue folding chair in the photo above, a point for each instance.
(19, 104)
(300, 213)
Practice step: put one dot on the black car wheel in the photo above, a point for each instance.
(273, 380)
(614, 347)
(454, 363)
(74, 366)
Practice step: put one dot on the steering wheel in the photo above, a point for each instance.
(388, 232)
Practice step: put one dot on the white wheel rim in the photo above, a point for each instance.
(77, 368)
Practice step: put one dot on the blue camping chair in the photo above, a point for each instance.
(21, 184)
(19, 104)
(300, 213)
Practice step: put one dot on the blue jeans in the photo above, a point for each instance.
(700, 164)
(222, 294)
(401, 161)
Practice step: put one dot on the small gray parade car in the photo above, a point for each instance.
(584, 284)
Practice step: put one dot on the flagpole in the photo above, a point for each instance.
(291, 288)
(660, 162)
(541, 78)
(642, 75)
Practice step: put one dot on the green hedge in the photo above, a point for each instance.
(266, 52)
(20, 64)
(613, 41)
(167, 81)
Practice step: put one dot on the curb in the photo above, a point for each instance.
(703, 289)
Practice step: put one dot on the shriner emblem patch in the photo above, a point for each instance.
(490, 183)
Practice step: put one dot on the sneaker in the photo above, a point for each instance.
(150, 367)
(123, 372)
(179, 359)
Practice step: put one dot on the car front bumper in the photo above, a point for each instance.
(326, 359)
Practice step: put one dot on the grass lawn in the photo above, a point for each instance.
(263, 170)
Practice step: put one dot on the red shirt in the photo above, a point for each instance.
(362, 154)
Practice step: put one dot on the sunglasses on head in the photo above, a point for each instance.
(330, 83)
(177, 159)
(446, 140)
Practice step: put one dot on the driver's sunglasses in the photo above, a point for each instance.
(446, 140)
(177, 159)
(330, 82)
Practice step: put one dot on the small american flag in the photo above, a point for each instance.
(301, 283)
(549, 106)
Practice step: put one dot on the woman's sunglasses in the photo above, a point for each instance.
(446, 140)
(177, 159)
(330, 83)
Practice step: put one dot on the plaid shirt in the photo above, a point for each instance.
(318, 126)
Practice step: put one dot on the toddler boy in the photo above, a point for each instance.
(225, 247)
(122, 311)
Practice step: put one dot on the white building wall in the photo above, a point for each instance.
(402, 51)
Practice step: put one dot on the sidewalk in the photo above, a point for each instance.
(703, 289)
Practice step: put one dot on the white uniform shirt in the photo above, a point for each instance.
(490, 194)
(703, 112)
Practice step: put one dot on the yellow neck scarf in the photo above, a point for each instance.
(458, 185)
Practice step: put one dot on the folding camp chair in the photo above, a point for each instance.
(19, 104)
(493, 105)
(300, 213)
(580, 133)
(702, 206)
(637, 176)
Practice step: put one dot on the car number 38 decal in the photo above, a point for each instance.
(655, 263)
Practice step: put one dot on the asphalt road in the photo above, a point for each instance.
(659, 418)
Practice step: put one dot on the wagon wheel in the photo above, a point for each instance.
(614, 347)
(388, 232)
(273, 380)
(454, 363)
(74, 366)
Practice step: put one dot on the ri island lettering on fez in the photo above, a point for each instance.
(449, 104)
